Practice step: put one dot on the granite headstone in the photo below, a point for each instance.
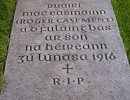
(66, 50)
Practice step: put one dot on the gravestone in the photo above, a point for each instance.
(66, 50)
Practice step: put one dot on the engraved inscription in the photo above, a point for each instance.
(65, 34)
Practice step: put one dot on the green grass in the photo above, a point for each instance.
(6, 15)
(121, 7)
(122, 11)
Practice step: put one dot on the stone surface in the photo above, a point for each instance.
(66, 50)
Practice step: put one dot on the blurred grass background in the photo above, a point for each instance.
(7, 7)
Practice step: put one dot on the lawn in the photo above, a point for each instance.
(121, 8)
(122, 11)
(6, 15)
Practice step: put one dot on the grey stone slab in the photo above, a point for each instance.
(66, 50)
